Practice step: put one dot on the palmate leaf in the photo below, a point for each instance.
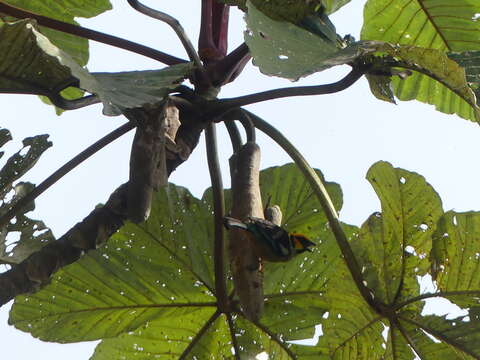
(21, 236)
(31, 64)
(401, 233)
(150, 291)
(431, 24)
(393, 248)
(66, 11)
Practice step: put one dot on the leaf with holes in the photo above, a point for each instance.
(393, 249)
(21, 236)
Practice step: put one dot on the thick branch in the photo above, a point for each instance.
(91, 34)
(219, 214)
(94, 230)
(219, 106)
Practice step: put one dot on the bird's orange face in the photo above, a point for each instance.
(300, 242)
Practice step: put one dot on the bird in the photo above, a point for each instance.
(272, 242)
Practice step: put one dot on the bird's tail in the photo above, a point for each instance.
(233, 223)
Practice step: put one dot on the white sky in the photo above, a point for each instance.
(342, 134)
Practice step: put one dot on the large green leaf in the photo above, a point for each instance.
(286, 50)
(66, 11)
(457, 338)
(432, 27)
(150, 290)
(352, 329)
(392, 249)
(131, 89)
(431, 24)
(31, 64)
(21, 236)
(455, 258)
(394, 245)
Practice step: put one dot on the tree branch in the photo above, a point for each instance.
(62, 171)
(91, 34)
(174, 24)
(219, 214)
(34, 272)
(222, 105)
(65, 104)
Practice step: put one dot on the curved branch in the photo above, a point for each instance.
(222, 105)
(174, 24)
(64, 104)
(91, 34)
(320, 191)
(247, 125)
(234, 134)
(219, 214)
(65, 169)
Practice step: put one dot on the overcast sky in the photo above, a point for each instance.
(342, 134)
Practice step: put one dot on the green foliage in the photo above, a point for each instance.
(159, 275)
(150, 290)
(66, 11)
(47, 69)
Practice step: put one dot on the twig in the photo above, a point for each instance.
(320, 191)
(62, 171)
(91, 34)
(219, 214)
(175, 25)
(247, 123)
(219, 106)
(65, 104)
(234, 134)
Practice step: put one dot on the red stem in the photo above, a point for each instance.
(213, 39)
